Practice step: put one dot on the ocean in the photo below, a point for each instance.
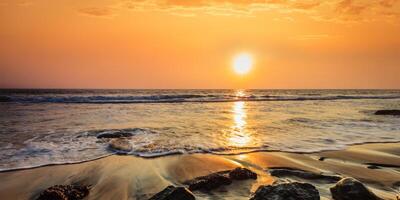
(43, 127)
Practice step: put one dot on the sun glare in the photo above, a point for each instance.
(242, 63)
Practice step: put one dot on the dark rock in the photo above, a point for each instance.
(388, 112)
(284, 172)
(242, 174)
(287, 191)
(114, 134)
(120, 145)
(173, 193)
(4, 99)
(351, 189)
(373, 167)
(209, 182)
(383, 165)
(64, 192)
(322, 158)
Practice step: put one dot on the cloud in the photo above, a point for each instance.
(306, 6)
(97, 11)
(387, 3)
(222, 7)
(350, 7)
(342, 11)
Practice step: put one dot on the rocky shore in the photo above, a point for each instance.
(362, 172)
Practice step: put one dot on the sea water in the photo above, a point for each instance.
(42, 127)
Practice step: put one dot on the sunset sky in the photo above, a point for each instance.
(191, 44)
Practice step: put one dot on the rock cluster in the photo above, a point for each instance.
(64, 192)
(345, 189)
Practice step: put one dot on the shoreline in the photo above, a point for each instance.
(375, 164)
(194, 153)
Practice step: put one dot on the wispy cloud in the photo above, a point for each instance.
(350, 7)
(388, 3)
(97, 11)
(334, 11)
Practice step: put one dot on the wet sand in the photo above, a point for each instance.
(128, 177)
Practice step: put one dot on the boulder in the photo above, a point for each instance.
(388, 112)
(209, 182)
(287, 191)
(242, 174)
(173, 193)
(64, 192)
(351, 189)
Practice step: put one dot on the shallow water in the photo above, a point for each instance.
(39, 127)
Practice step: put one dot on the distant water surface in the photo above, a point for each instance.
(40, 127)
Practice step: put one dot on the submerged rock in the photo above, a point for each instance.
(242, 174)
(287, 191)
(351, 189)
(114, 134)
(284, 172)
(209, 182)
(388, 112)
(64, 192)
(173, 193)
(120, 145)
(321, 158)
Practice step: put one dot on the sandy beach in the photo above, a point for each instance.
(129, 177)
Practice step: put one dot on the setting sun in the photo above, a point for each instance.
(242, 63)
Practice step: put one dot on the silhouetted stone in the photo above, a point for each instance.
(287, 191)
(64, 192)
(388, 112)
(173, 193)
(351, 189)
(284, 172)
(5, 99)
(209, 182)
(242, 174)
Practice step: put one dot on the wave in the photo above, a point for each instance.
(180, 98)
(220, 151)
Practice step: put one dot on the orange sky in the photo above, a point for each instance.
(190, 44)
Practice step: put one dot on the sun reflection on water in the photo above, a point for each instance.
(239, 137)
